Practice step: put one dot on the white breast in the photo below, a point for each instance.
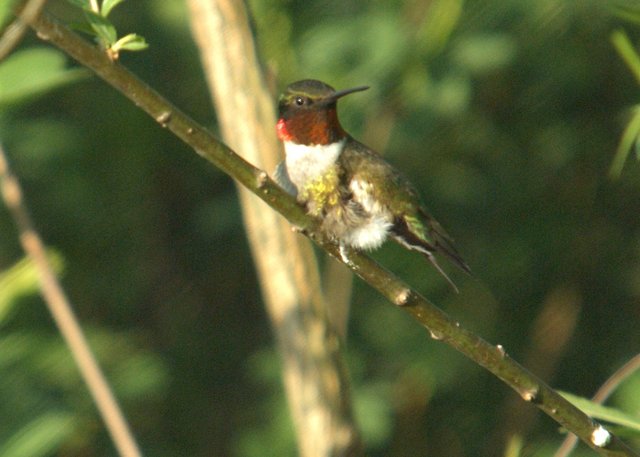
(308, 162)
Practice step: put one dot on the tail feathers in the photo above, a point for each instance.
(408, 232)
(434, 262)
(444, 245)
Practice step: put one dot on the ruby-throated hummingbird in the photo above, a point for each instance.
(358, 196)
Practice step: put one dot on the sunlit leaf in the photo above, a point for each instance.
(103, 28)
(514, 446)
(40, 437)
(6, 11)
(84, 4)
(484, 53)
(605, 413)
(374, 415)
(32, 72)
(626, 50)
(131, 42)
(83, 27)
(628, 142)
(108, 5)
(440, 22)
(627, 10)
(628, 393)
(140, 375)
(22, 279)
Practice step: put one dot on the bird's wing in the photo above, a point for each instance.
(413, 226)
(281, 176)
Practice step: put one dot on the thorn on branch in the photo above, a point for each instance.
(261, 180)
(436, 335)
(163, 118)
(530, 395)
(600, 436)
(402, 297)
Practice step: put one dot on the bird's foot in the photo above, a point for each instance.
(344, 255)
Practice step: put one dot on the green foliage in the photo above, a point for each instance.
(22, 279)
(104, 30)
(46, 400)
(628, 10)
(504, 113)
(631, 133)
(6, 12)
(374, 415)
(605, 413)
(40, 437)
(32, 72)
(627, 396)
(108, 5)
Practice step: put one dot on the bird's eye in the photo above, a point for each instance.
(300, 101)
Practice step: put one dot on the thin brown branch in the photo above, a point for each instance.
(16, 30)
(440, 326)
(63, 315)
(314, 374)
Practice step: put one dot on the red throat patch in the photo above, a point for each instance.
(281, 130)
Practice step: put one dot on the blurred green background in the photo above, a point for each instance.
(506, 114)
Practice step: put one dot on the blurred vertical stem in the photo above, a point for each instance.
(624, 47)
(64, 317)
(627, 52)
(16, 30)
(314, 374)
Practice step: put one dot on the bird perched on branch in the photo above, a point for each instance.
(359, 197)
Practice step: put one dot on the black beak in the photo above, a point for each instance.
(341, 93)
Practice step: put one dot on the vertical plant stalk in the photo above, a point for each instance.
(63, 315)
(314, 374)
(16, 30)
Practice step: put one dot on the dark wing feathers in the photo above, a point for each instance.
(443, 242)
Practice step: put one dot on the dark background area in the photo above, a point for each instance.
(505, 114)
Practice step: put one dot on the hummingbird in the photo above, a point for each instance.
(359, 197)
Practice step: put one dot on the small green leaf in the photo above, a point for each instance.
(612, 415)
(104, 29)
(131, 42)
(108, 5)
(34, 71)
(627, 52)
(22, 279)
(82, 27)
(40, 437)
(629, 138)
(84, 4)
(627, 11)
(6, 12)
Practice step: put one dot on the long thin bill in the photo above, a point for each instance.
(342, 93)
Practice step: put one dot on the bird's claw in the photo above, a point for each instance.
(344, 255)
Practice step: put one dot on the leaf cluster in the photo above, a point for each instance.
(104, 31)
